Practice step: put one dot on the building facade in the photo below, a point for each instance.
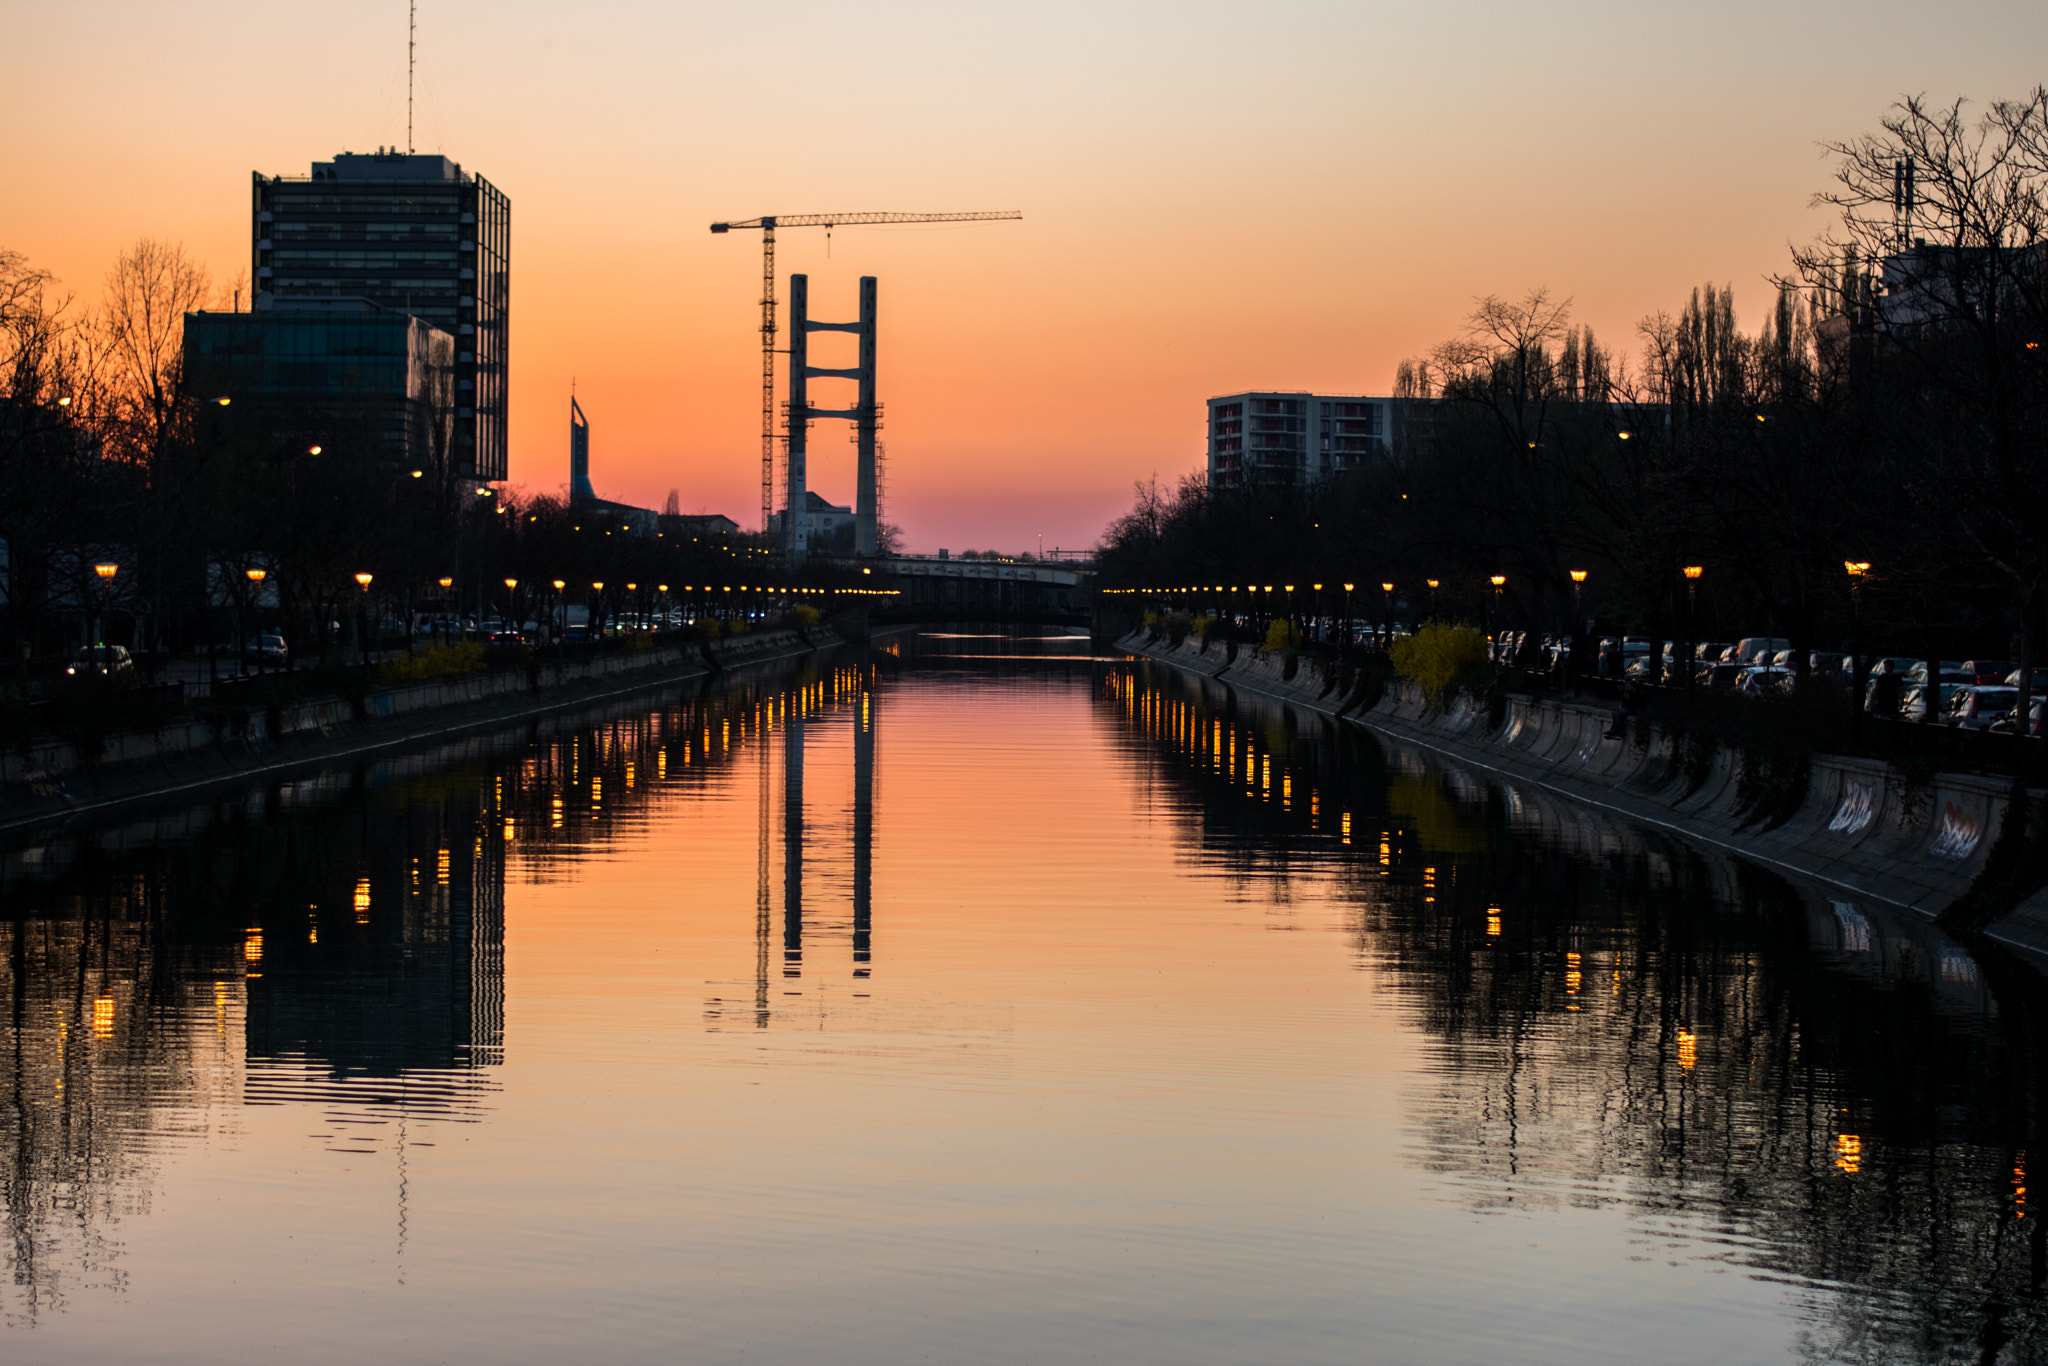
(412, 234)
(338, 372)
(1265, 438)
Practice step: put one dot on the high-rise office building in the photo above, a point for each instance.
(411, 233)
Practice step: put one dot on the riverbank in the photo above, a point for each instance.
(55, 778)
(1859, 825)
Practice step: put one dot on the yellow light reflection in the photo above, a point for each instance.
(1493, 922)
(1688, 1049)
(1849, 1153)
(103, 1018)
(362, 901)
(252, 945)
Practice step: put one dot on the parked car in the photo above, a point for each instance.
(1719, 677)
(1827, 662)
(1975, 708)
(2040, 683)
(268, 648)
(1762, 680)
(2010, 722)
(1989, 671)
(105, 661)
(1756, 649)
(1913, 702)
(1952, 670)
(1713, 652)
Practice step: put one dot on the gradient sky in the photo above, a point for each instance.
(1287, 195)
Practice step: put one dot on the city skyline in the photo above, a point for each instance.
(1211, 205)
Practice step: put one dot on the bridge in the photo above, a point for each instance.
(934, 589)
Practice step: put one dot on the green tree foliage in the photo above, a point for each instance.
(1440, 657)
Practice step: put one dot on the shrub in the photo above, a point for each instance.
(436, 661)
(1439, 657)
(1205, 626)
(1281, 635)
(708, 627)
(803, 614)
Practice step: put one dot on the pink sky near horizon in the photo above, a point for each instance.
(1216, 197)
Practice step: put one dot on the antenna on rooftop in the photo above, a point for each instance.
(412, 16)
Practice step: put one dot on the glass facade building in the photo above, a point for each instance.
(347, 371)
(412, 234)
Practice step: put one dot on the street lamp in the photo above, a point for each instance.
(363, 616)
(1432, 595)
(1387, 609)
(1347, 612)
(106, 569)
(512, 604)
(1499, 581)
(256, 578)
(1692, 645)
(1857, 571)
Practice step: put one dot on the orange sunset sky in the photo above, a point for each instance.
(1216, 197)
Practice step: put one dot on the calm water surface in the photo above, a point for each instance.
(979, 1000)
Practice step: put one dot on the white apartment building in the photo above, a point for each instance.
(1277, 437)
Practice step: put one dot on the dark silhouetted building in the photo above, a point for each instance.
(414, 235)
(333, 371)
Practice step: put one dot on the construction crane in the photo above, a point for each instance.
(827, 221)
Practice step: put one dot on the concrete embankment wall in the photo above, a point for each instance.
(52, 777)
(1860, 826)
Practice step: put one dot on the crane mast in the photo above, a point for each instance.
(828, 221)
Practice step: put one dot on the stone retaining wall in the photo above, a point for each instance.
(51, 777)
(1860, 826)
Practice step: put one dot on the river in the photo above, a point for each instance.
(977, 998)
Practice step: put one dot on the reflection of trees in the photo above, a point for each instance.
(334, 941)
(116, 1039)
(1802, 1089)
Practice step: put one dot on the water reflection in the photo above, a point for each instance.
(1764, 1076)
(337, 943)
(1128, 1041)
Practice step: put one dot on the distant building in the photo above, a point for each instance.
(703, 526)
(1275, 437)
(341, 372)
(827, 526)
(412, 234)
(583, 497)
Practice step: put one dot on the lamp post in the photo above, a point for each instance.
(1345, 640)
(363, 617)
(512, 605)
(1692, 633)
(1499, 581)
(255, 578)
(561, 630)
(1578, 619)
(1387, 610)
(1432, 596)
(596, 621)
(106, 569)
(1857, 571)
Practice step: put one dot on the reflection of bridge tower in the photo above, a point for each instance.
(863, 822)
(793, 840)
(794, 822)
(864, 415)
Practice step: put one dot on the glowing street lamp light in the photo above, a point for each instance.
(257, 575)
(106, 569)
(363, 581)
